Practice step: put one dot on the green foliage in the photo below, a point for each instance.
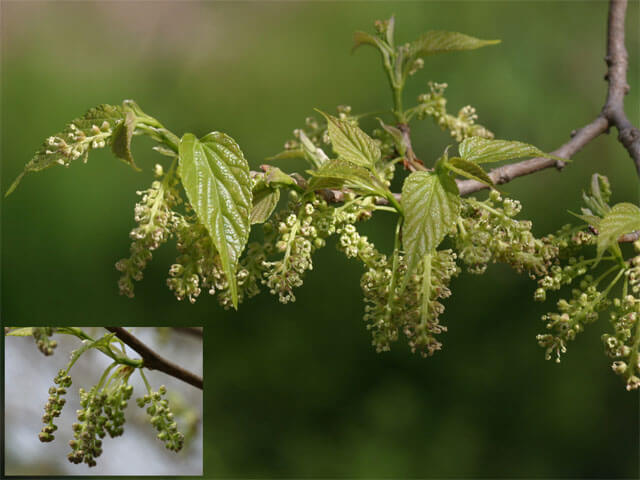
(336, 174)
(351, 144)
(468, 169)
(403, 289)
(598, 282)
(265, 201)
(122, 135)
(437, 41)
(484, 150)
(431, 206)
(215, 176)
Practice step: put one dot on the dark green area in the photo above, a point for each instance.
(296, 390)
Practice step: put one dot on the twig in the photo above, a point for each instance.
(192, 331)
(153, 361)
(612, 113)
(507, 173)
(617, 61)
(630, 237)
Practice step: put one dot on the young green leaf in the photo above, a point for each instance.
(336, 173)
(468, 169)
(587, 218)
(437, 41)
(122, 135)
(93, 130)
(265, 200)
(294, 153)
(351, 143)
(483, 150)
(431, 203)
(364, 38)
(621, 219)
(215, 176)
(598, 198)
(314, 155)
(275, 176)
(21, 332)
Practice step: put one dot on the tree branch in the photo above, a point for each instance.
(630, 237)
(617, 61)
(153, 361)
(507, 173)
(191, 331)
(612, 113)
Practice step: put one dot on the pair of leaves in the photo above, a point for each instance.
(429, 43)
(354, 168)
(215, 177)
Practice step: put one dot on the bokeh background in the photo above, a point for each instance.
(296, 390)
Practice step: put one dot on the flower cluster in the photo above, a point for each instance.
(433, 104)
(419, 307)
(298, 235)
(114, 406)
(570, 240)
(53, 407)
(582, 308)
(624, 345)
(559, 275)
(44, 343)
(198, 266)
(162, 419)
(88, 434)
(155, 217)
(76, 143)
(391, 306)
(487, 232)
(102, 413)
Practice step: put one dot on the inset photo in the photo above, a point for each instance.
(103, 401)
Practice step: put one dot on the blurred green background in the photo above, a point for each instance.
(296, 390)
